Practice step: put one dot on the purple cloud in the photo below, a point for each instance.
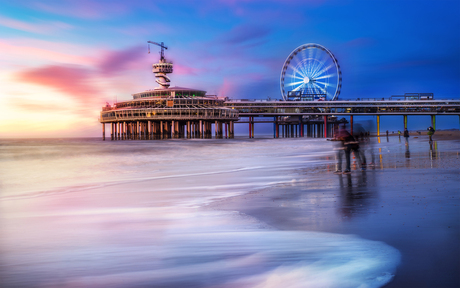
(244, 34)
(115, 62)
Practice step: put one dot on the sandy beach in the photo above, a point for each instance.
(409, 200)
(231, 213)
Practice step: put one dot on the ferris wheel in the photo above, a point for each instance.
(311, 72)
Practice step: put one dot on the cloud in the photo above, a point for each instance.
(34, 106)
(186, 70)
(226, 89)
(73, 81)
(115, 62)
(50, 52)
(37, 28)
(89, 9)
(245, 33)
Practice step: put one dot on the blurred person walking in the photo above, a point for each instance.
(430, 132)
(406, 135)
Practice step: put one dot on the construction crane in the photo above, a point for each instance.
(162, 45)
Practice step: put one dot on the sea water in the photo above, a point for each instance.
(88, 213)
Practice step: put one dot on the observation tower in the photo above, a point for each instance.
(168, 112)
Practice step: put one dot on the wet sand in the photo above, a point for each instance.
(409, 200)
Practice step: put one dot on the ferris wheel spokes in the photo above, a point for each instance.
(312, 72)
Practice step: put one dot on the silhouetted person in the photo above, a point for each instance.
(406, 135)
(430, 132)
(339, 149)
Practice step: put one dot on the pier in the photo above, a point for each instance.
(309, 105)
(319, 117)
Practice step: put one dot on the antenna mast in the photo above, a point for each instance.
(162, 45)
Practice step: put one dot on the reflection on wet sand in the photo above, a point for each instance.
(395, 155)
(357, 192)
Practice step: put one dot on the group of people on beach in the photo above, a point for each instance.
(346, 144)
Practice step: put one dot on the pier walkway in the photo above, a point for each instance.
(320, 116)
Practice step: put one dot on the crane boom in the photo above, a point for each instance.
(162, 45)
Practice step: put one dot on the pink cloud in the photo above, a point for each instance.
(185, 70)
(73, 81)
(115, 62)
(38, 28)
(24, 52)
(226, 89)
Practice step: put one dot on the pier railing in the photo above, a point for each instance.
(394, 107)
(170, 114)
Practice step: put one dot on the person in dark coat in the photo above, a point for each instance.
(350, 144)
(406, 135)
(430, 132)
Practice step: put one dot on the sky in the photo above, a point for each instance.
(63, 60)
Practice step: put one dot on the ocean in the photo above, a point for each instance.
(92, 213)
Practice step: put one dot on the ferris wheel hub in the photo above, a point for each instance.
(306, 80)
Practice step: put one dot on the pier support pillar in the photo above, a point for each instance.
(405, 121)
(114, 131)
(149, 130)
(188, 129)
(378, 125)
(325, 125)
(301, 127)
(161, 130)
(250, 128)
(232, 129)
(103, 131)
(433, 121)
(277, 128)
(351, 124)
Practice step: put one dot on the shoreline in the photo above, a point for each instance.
(410, 202)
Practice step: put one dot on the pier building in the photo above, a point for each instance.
(168, 112)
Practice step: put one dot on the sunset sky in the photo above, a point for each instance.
(62, 60)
